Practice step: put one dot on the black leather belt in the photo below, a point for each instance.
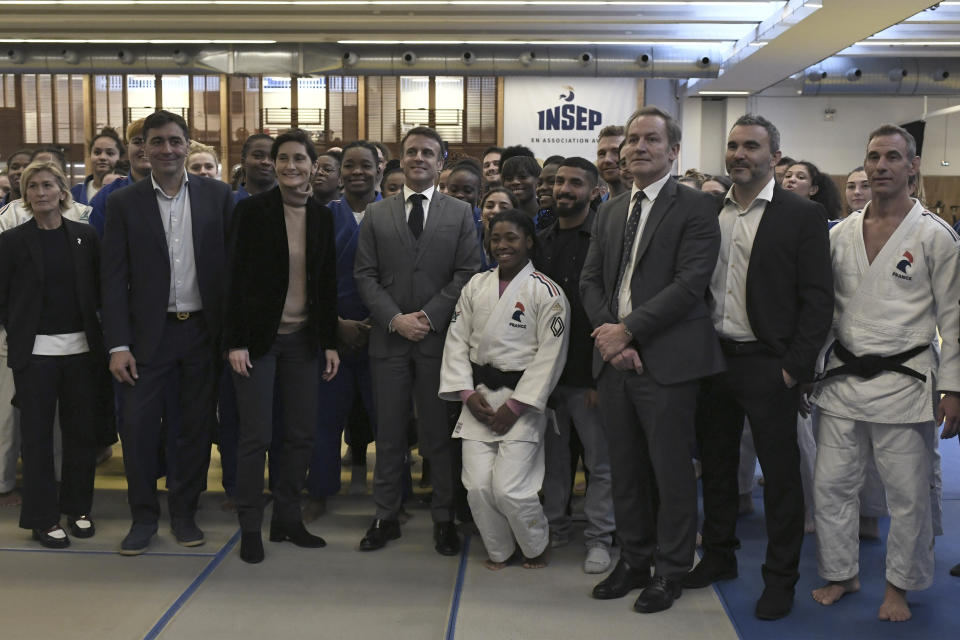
(734, 348)
(494, 378)
(868, 366)
(182, 316)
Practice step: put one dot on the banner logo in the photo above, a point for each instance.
(569, 116)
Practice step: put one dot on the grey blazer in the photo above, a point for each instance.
(670, 321)
(397, 273)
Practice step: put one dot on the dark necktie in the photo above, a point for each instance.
(629, 235)
(415, 221)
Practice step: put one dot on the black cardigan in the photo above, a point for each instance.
(259, 273)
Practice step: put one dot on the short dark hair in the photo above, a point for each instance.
(490, 150)
(56, 152)
(786, 160)
(519, 218)
(294, 135)
(160, 118)
(20, 152)
(754, 120)
(333, 153)
(894, 130)
(423, 131)
(724, 180)
(553, 160)
(468, 166)
(359, 144)
(245, 149)
(514, 151)
(515, 164)
(582, 163)
(612, 130)
(669, 122)
(108, 132)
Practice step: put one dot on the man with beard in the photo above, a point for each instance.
(491, 167)
(771, 301)
(545, 216)
(563, 248)
(608, 159)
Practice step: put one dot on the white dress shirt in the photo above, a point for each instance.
(408, 205)
(177, 220)
(651, 191)
(728, 285)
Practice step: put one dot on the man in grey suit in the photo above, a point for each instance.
(415, 252)
(162, 272)
(643, 284)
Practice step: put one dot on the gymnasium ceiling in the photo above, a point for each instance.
(743, 46)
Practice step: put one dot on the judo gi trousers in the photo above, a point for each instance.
(902, 455)
(502, 480)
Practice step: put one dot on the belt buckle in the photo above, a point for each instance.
(183, 315)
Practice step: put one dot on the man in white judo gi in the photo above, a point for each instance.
(883, 392)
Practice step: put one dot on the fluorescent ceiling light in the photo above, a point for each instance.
(518, 3)
(907, 43)
(547, 43)
(115, 41)
(723, 93)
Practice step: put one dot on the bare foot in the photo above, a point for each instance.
(833, 591)
(10, 499)
(894, 606)
(537, 563)
(496, 566)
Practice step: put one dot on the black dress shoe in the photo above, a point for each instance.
(621, 581)
(379, 533)
(955, 571)
(710, 569)
(47, 538)
(251, 547)
(186, 531)
(659, 596)
(446, 538)
(774, 603)
(295, 533)
(81, 526)
(138, 538)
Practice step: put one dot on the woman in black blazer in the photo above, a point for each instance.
(49, 295)
(281, 310)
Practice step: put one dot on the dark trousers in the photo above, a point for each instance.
(650, 434)
(336, 399)
(291, 363)
(395, 380)
(752, 386)
(71, 381)
(187, 356)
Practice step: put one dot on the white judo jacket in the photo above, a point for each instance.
(525, 329)
(898, 302)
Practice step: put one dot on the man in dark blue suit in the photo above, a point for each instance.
(163, 271)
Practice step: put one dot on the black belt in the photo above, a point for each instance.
(733, 348)
(868, 366)
(493, 378)
(181, 316)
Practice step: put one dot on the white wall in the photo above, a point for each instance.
(838, 146)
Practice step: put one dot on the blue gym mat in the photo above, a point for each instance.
(855, 615)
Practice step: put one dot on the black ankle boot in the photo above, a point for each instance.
(251, 547)
(295, 533)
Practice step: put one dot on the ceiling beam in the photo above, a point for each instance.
(830, 29)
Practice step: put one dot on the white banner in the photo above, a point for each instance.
(564, 115)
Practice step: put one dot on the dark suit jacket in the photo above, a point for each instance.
(790, 282)
(397, 273)
(260, 271)
(135, 269)
(670, 321)
(21, 286)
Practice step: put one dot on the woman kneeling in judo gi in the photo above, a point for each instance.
(504, 352)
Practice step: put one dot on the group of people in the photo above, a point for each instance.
(511, 318)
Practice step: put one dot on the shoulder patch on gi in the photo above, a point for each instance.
(556, 327)
(556, 308)
(542, 279)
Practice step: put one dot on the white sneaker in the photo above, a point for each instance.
(597, 560)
